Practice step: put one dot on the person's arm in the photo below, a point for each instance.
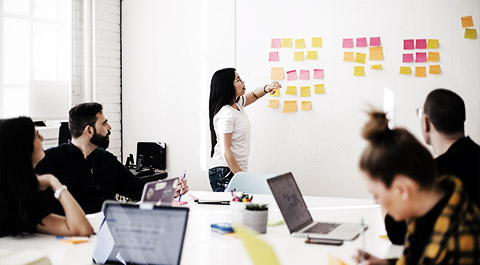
(74, 223)
(259, 92)
(228, 154)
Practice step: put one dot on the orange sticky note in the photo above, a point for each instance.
(376, 66)
(467, 22)
(277, 73)
(335, 261)
(276, 93)
(359, 71)
(421, 71)
(317, 42)
(433, 56)
(432, 44)
(470, 34)
(376, 53)
(286, 43)
(289, 106)
(291, 90)
(320, 89)
(360, 58)
(300, 43)
(312, 55)
(305, 91)
(74, 241)
(434, 69)
(405, 70)
(306, 105)
(273, 103)
(348, 56)
(299, 56)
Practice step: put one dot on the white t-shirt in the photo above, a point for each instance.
(230, 120)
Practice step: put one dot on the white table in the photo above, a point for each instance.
(205, 247)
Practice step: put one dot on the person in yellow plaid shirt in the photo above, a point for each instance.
(443, 223)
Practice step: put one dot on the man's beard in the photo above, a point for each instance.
(100, 141)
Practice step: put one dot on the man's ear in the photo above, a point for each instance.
(88, 130)
(426, 124)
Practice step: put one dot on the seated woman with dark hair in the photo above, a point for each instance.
(443, 224)
(23, 204)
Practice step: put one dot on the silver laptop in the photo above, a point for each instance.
(159, 192)
(299, 221)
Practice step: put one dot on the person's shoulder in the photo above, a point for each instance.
(58, 150)
(104, 153)
(225, 112)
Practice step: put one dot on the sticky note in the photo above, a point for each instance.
(360, 58)
(348, 56)
(74, 241)
(359, 71)
(312, 55)
(305, 74)
(291, 90)
(299, 56)
(470, 33)
(306, 105)
(421, 44)
(273, 57)
(376, 66)
(375, 41)
(317, 42)
(347, 43)
(290, 106)
(434, 69)
(300, 43)
(376, 53)
(362, 42)
(421, 57)
(292, 75)
(432, 44)
(277, 73)
(320, 89)
(304, 91)
(260, 251)
(276, 93)
(318, 74)
(405, 70)
(286, 43)
(335, 261)
(407, 57)
(276, 43)
(273, 103)
(467, 22)
(408, 45)
(433, 56)
(420, 71)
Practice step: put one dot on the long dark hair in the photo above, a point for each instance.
(18, 184)
(222, 92)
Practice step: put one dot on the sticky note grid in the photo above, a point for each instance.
(417, 55)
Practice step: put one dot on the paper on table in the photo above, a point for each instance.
(347, 43)
(320, 89)
(286, 43)
(407, 57)
(408, 44)
(304, 91)
(432, 44)
(260, 252)
(318, 73)
(300, 43)
(290, 106)
(420, 71)
(291, 90)
(467, 21)
(375, 41)
(362, 42)
(348, 56)
(273, 103)
(434, 69)
(405, 70)
(360, 58)
(306, 105)
(433, 56)
(292, 75)
(421, 57)
(376, 66)
(359, 71)
(376, 53)
(421, 44)
(104, 245)
(317, 42)
(335, 261)
(273, 57)
(305, 74)
(470, 33)
(276, 43)
(312, 55)
(299, 56)
(277, 73)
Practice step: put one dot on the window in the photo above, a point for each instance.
(36, 55)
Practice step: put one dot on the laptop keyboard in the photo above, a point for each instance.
(322, 228)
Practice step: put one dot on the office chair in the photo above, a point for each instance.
(64, 134)
(250, 183)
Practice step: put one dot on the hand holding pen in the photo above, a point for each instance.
(366, 258)
(182, 186)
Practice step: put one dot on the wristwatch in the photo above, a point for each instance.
(59, 191)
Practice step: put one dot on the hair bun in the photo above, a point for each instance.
(376, 127)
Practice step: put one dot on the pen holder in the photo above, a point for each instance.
(252, 216)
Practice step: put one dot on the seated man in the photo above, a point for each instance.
(443, 118)
(91, 173)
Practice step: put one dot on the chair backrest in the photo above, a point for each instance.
(250, 183)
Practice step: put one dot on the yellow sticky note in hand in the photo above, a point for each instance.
(260, 252)
(300, 43)
(276, 92)
(273, 103)
(320, 89)
(360, 58)
(432, 44)
(421, 71)
(376, 53)
(291, 90)
(433, 56)
(305, 91)
(470, 33)
(376, 66)
(299, 56)
(277, 73)
(434, 69)
(405, 70)
(334, 260)
(290, 106)
(286, 43)
(312, 55)
(306, 105)
(467, 22)
(348, 56)
(317, 42)
(359, 71)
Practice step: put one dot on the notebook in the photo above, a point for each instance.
(131, 234)
(159, 192)
(299, 221)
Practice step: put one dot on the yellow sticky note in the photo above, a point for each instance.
(467, 22)
(348, 56)
(291, 90)
(432, 44)
(276, 92)
(273, 103)
(317, 42)
(421, 71)
(384, 237)
(376, 53)
(470, 33)
(260, 252)
(305, 91)
(335, 261)
(360, 58)
(405, 70)
(359, 71)
(376, 66)
(312, 55)
(434, 69)
(320, 89)
(286, 43)
(299, 56)
(433, 56)
(277, 73)
(289, 106)
(306, 105)
(300, 43)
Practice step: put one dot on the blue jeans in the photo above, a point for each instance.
(219, 178)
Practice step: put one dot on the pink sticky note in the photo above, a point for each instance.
(347, 43)
(273, 57)
(362, 42)
(421, 44)
(421, 57)
(408, 57)
(408, 45)
(276, 43)
(375, 41)
(305, 74)
(318, 74)
(292, 75)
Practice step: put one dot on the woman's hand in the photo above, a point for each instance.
(366, 258)
(270, 87)
(46, 181)
(182, 185)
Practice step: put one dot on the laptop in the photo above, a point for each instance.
(297, 217)
(159, 192)
(131, 234)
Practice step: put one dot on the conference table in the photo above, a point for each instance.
(202, 246)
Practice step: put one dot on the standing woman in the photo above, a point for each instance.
(230, 126)
(23, 205)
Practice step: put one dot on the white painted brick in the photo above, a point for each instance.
(108, 99)
(111, 71)
(108, 44)
(105, 80)
(110, 35)
(115, 125)
(115, 135)
(102, 61)
(109, 53)
(113, 117)
(114, 62)
(111, 107)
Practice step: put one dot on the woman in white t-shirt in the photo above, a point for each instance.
(230, 126)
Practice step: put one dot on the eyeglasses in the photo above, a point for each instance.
(420, 112)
